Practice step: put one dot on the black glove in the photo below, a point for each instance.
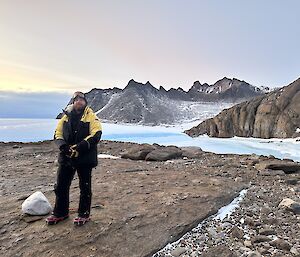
(83, 146)
(65, 149)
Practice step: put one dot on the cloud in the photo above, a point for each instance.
(32, 105)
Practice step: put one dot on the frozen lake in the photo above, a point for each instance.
(33, 130)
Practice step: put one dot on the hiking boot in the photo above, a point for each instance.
(53, 220)
(79, 221)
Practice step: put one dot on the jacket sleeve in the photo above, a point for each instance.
(58, 134)
(95, 131)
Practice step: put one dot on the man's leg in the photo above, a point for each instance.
(85, 184)
(65, 176)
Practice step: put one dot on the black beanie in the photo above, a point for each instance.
(80, 95)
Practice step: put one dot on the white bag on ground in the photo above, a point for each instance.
(36, 204)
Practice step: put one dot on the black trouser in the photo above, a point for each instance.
(65, 176)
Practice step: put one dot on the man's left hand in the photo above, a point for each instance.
(83, 146)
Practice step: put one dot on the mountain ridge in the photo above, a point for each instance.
(142, 103)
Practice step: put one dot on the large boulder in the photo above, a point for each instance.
(138, 152)
(36, 204)
(275, 115)
(164, 153)
(290, 205)
(287, 166)
(191, 152)
(157, 152)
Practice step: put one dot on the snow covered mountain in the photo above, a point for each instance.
(145, 104)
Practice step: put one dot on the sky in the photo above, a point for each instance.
(50, 49)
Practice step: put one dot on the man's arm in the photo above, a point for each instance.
(94, 137)
(58, 134)
(95, 131)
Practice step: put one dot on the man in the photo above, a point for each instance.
(77, 135)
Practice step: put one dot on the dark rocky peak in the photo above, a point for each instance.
(162, 89)
(237, 82)
(197, 84)
(133, 84)
(97, 91)
(223, 84)
(174, 90)
(178, 94)
(198, 87)
(179, 89)
(148, 84)
(115, 90)
(140, 87)
(224, 80)
(171, 90)
(246, 88)
(93, 92)
(236, 87)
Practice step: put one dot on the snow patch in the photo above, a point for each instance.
(107, 156)
(227, 210)
(108, 104)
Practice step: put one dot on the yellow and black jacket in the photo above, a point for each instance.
(88, 129)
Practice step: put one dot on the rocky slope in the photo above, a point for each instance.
(275, 115)
(145, 104)
(139, 206)
(259, 227)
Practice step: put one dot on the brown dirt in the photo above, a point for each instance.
(137, 208)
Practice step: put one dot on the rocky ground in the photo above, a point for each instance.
(139, 206)
(259, 227)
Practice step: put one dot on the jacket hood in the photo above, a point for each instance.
(70, 108)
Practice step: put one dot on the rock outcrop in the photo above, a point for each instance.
(275, 115)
